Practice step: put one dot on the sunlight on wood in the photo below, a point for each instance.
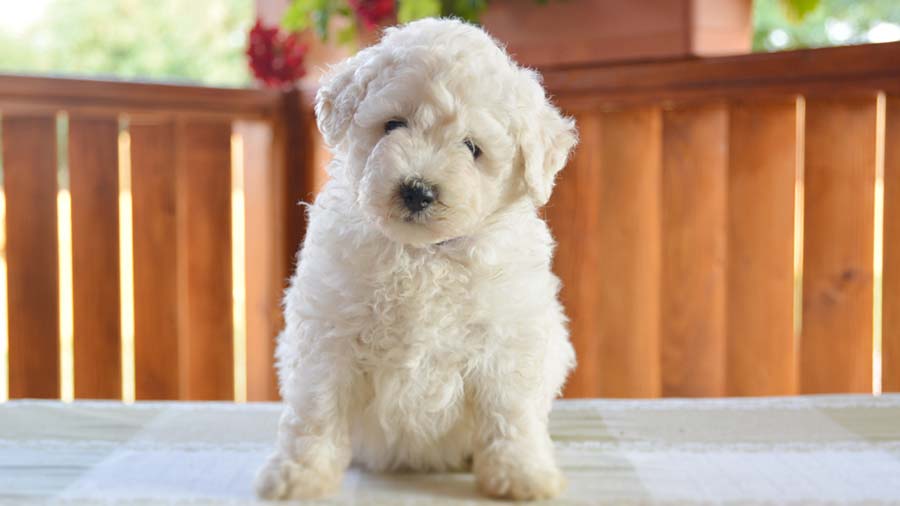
(4, 326)
(126, 264)
(64, 230)
(4, 317)
(878, 267)
(238, 250)
(800, 140)
(66, 316)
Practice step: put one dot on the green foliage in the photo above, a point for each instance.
(796, 10)
(347, 35)
(410, 10)
(303, 14)
(469, 10)
(200, 41)
(298, 14)
(831, 22)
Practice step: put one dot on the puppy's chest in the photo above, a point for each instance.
(419, 309)
(417, 344)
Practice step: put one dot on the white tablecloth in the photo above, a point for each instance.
(801, 450)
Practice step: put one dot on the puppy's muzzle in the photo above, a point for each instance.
(417, 195)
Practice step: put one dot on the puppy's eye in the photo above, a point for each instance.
(473, 148)
(394, 124)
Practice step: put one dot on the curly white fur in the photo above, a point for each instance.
(430, 340)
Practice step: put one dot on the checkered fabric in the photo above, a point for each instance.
(791, 450)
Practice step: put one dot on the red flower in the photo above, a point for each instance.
(275, 58)
(372, 12)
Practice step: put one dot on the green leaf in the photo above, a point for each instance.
(797, 10)
(347, 35)
(470, 10)
(297, 15)
(320, 22)
(410, 10)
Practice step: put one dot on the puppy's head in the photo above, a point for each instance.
(438, 129)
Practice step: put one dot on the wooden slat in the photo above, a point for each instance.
(204, 259)
(573, 213)
(890, 338)
(298, 155)
(157, 373)
(761, 188)
(265, 276)
(628, 238)
(836, 341)
(296, 174)
(29, 172)
(695, 159)
(94, 183)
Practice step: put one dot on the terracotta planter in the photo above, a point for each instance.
(573, 32)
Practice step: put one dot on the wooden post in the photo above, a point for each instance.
(94, 182)
(628, 238)
(836, 342)
(573, 220)
(157, 359)
(203, 194)
(761, 185)
(30, 184)
(264, 270)
(694, 237)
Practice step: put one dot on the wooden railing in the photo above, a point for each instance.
(176, 159)
(720, 224)
(720, 229)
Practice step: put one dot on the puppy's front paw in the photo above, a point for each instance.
(509, 473)
(282, 478)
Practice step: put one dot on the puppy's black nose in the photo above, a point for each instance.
(417, 195)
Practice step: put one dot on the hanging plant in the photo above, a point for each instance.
(317, 14)
(276, 56)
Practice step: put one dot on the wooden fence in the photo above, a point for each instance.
(171, 152)
(718, 224)
(719, 227)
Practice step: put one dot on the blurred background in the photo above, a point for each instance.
(204, 41)
(726, 227)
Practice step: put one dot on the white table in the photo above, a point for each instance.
(836, 449)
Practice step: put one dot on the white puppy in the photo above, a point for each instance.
(423, 329)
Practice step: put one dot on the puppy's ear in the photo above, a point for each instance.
(545, 142)
(340, 93)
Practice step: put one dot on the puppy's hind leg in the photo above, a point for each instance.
(313, 448)
(513, 452)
